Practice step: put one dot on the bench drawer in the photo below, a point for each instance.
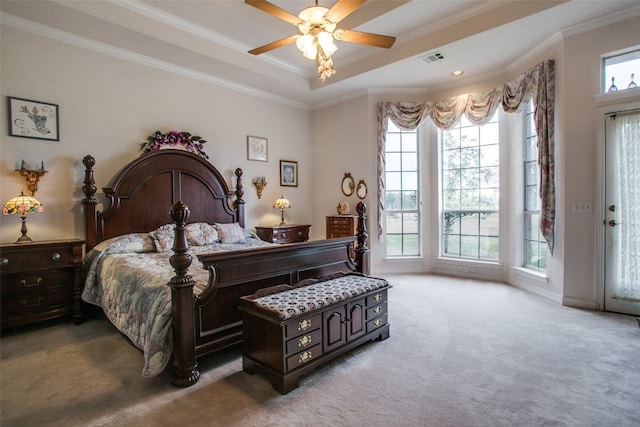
(304, 357)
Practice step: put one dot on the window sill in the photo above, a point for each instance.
(529, 276)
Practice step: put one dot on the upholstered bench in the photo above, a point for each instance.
(290, 330)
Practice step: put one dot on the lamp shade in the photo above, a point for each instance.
(282, 204)
(22, 205)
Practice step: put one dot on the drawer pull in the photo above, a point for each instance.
(56, 256)
(4, 261)
(377, 323)
(377, 310)
(377, 297)
(31, 285)
(304, 325)
(305, 357)
(27, 305)
(304, 341)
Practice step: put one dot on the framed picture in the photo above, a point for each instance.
(288, 173)
(33, 119)
(257, 148)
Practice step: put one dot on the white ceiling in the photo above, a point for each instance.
(209, 39)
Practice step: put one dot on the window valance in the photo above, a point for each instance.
(537, 84)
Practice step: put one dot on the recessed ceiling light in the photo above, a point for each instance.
(457, 73)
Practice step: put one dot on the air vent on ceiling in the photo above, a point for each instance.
(432, 57)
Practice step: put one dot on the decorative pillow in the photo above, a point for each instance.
(231, 233)
(127, 243)
(163, 237)
(201, 234)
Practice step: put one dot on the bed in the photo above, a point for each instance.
(168, 195)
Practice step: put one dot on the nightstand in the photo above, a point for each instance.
(40, 280)
(341, 226)
(288, 233)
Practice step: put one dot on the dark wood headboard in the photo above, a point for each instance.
(142, 193)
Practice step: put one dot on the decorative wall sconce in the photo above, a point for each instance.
(32, 176)
(260, 183)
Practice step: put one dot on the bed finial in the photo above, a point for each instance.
(184, 360)
(239, 188)
(239, 202)
(361, 250)
(90, 202)
(89, 189)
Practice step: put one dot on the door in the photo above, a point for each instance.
(622, 218)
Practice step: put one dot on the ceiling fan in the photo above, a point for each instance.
(317, 27)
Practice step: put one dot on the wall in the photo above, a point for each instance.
(108, 106)
(581, 84)
(571, 274)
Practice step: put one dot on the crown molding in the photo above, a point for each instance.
(106, 49)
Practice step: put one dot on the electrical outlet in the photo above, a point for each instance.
(464, 269)
(474, 270)
(582, 207)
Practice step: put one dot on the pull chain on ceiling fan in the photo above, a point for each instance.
(317, 26)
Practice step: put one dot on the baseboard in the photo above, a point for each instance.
(583, 303)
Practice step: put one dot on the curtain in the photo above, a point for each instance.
(537, 84)
(627, 165)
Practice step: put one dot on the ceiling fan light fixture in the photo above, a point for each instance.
(306, 44)
(313, 15)
(326, 41)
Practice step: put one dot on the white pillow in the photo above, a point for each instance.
(231, 233)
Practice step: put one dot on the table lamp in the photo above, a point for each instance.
(22, 205)
(282, 204)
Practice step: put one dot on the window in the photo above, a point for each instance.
(470, 190)
(620, 71)
(535, 247)
(402, 192)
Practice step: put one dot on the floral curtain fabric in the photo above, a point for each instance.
(537, 84)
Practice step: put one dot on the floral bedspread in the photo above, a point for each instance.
(130, 284)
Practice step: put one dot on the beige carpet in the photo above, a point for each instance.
(461, 353)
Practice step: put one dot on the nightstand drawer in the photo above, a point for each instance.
(34, 282)
(292, 235)
(287, 233)
(37, 302)
(32, 257)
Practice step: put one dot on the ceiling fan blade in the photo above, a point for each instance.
(274, 45)
(274, 10)
(364, 38)
(340, 10)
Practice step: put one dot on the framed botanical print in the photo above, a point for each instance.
(257, 148)
(288, 173)
(33, 119)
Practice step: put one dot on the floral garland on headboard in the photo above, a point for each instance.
(173, 139)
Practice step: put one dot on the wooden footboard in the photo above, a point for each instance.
(215, 313)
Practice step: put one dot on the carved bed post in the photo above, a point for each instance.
(239, 202)
(362, 251)
(185, 371)
(89, 189)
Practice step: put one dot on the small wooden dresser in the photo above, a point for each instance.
(40, 280)
(341, 226)
(288, 233)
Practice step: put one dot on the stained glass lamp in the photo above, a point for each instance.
(22, 205)
(282, 204)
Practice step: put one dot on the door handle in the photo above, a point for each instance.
(613, 223)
